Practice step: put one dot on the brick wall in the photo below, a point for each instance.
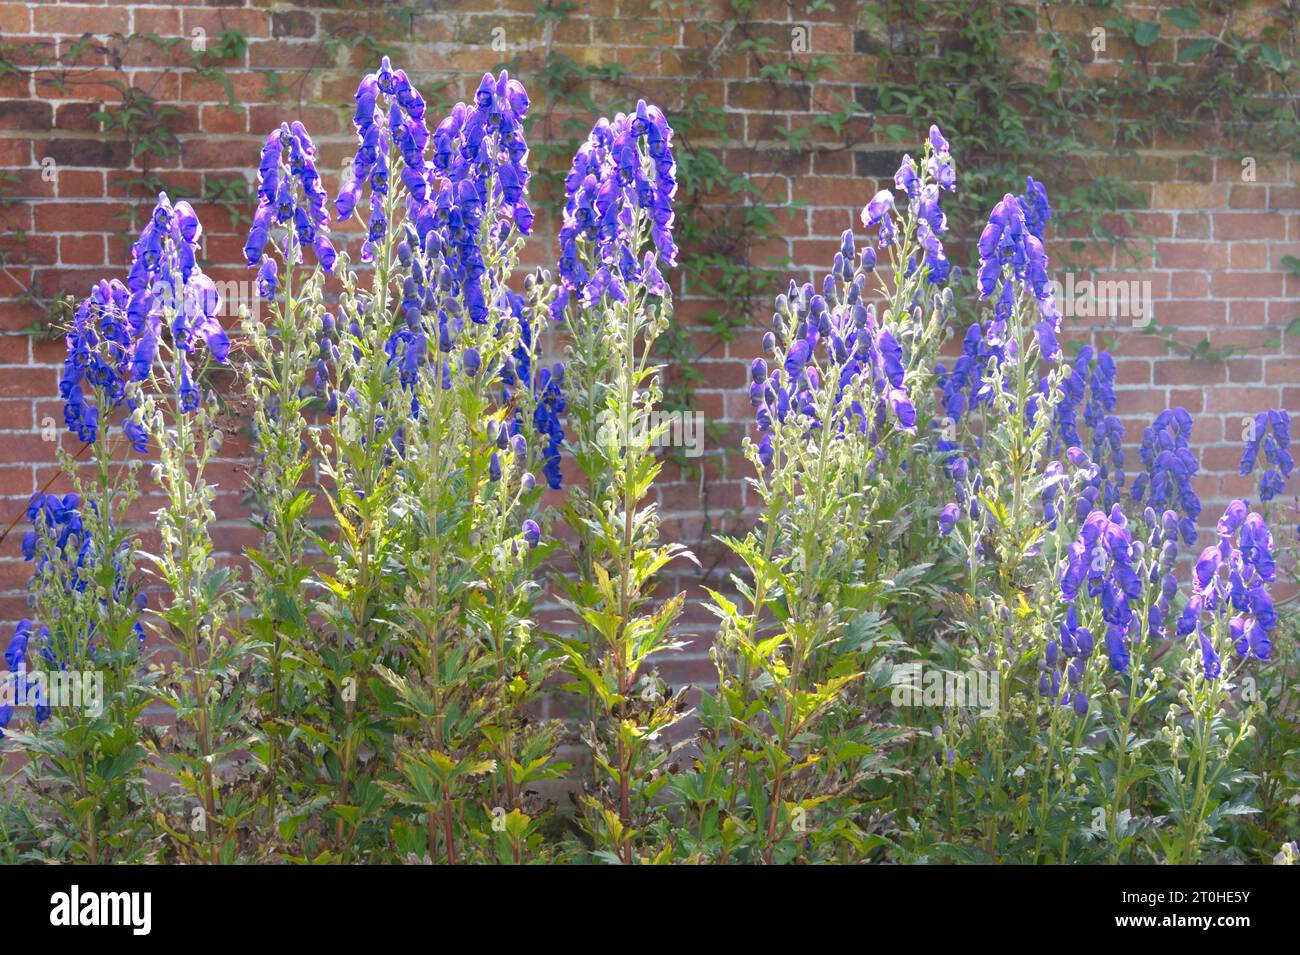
(1219, 239)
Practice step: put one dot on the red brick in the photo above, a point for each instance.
(1248, 225)
(74, 21)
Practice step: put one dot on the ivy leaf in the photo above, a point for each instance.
(1291, 264)
(1146, 32)
(1184, 19)
(1194, 50)
(1273, 57)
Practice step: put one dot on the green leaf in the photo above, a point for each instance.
(1145, 32)
(1194, 50)
(122, 763)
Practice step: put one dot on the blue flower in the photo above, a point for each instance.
(879, 211)
(623, 175)
(1270, 430)
(1090, 384)
(464, 204)
(290, 195)
(115, 334)
(478, 168)
(114, 337)
(1102, 558)
(1231, 577)
(1170, 468)
(948, 518)
(16, 652)
(399, 125)
(962, 385)
(940, 162)
(1012, 256)
(1067, 655)
(835, 335)
(60, 544)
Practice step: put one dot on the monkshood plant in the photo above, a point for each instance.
(1061, 582)
(285, 373)
(483, 419)
(85, 763)
(330, 730)
(1266, 444)
(179, 306)
(1228, 617)
(127, 379)
(790, 734)
(362, 481)
(1010, 416)
(615, 303)
(438, 412)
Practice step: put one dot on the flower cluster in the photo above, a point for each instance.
(923, 202)
(116, 331)
(17, 687)
(1106, 429)
(1013, 239)
(1091, 382)
(1271, 430)
(1162, 544)
(165, 281)
(1067, 656)
(116, 336)
(402, 125)
(105, 353)
(1102, 558)
(1232, 576)
(548, 394)
(428, 296)
(967, 485)
(476, 178)
(1011, 256)
(963, 385)
(462, 208)
(1170, 467)
(58, 521)
(480, 166)
(288, 164)
(858, 351)
(623, 172)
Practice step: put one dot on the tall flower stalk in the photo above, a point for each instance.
(617, 233)
(87, 760)
(285, 374)
(361, 483)
(784, 756)
(1229, 617)
(181, 305)
(482, 416)
(1005, 393)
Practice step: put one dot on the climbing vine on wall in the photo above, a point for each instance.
(1074, 92)
(136, 117)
